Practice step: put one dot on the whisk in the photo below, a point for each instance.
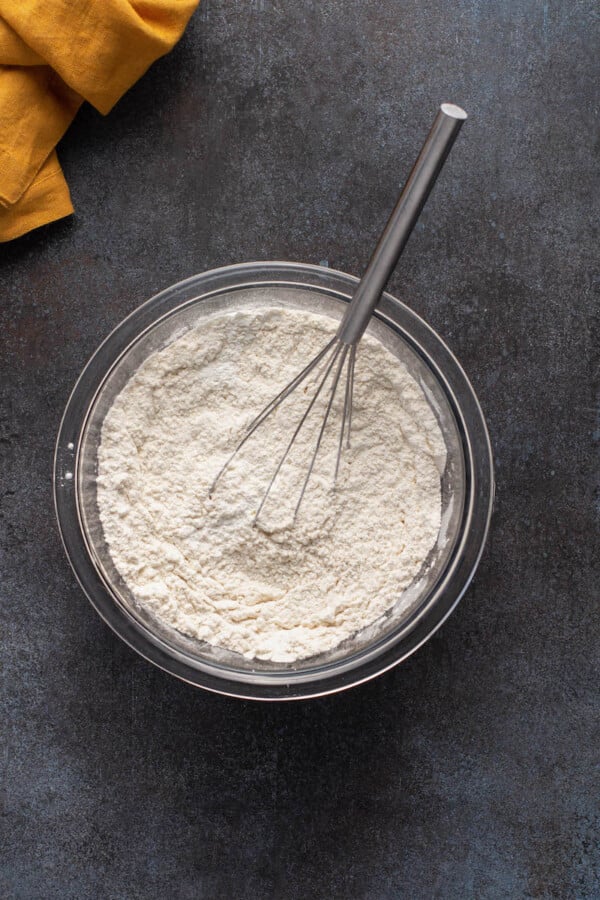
(340, 352)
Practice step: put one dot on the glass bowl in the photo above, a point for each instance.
(467, 483)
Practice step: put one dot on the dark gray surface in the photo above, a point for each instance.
(282, 130)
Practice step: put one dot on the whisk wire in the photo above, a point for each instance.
(271, 407)
(347, 411)
(336, 378)
(329, 367)
(351, 398)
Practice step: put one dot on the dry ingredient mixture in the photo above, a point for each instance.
(280, 590)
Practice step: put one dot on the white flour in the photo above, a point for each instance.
(275, 591)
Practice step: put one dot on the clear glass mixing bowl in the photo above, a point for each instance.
(467, 483)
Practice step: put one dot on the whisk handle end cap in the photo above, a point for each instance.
(455, 112)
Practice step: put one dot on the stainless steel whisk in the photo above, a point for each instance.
(340, 352)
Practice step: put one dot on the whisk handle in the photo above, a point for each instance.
(403, 219)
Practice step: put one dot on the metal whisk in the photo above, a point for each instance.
(340, 352)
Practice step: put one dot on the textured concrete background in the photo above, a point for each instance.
(282, 130)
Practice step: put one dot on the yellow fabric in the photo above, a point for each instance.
(53, 55)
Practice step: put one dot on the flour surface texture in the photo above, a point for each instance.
(280, 590)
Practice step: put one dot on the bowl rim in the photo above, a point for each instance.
(338, 675)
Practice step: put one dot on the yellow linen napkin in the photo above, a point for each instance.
(53, 55)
